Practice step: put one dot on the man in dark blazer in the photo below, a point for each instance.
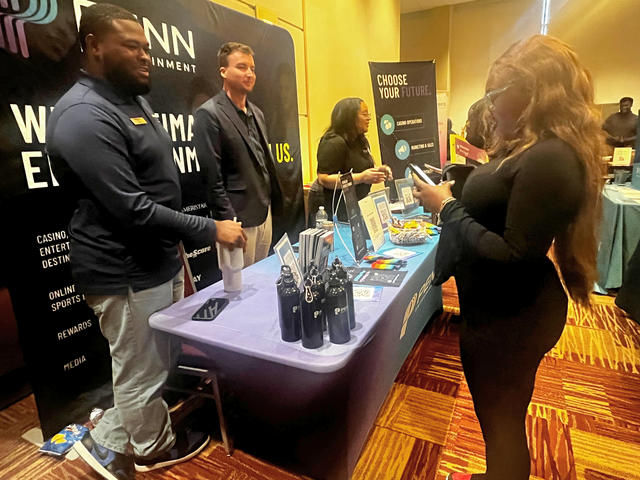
(231, 141)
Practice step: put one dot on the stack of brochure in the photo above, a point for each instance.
(315, 246)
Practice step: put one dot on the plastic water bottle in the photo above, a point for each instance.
(321, 217)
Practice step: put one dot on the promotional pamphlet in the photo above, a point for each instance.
(404, 187)
(362, 293)
(315, 246)
(358, 234)
(461, 151)
(381, 202)
(383, 278)
(285, 254)
(621, 157)
(371, 218)
(400, 253)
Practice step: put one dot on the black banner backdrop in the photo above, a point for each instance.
(406, 114)
(40, 57)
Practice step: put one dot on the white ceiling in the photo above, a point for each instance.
(407, 6)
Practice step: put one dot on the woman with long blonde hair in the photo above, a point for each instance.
(542, 189)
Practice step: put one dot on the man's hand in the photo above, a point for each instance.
(230, 234)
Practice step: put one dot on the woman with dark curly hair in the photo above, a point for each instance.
(541, 190)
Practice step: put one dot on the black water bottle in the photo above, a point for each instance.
(288, 305)
(345, 278)
(311, 318)
(336, 309)
(319, 290)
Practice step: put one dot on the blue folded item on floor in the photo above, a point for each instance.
(62, 441)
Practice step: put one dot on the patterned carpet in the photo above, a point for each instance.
(583, 422)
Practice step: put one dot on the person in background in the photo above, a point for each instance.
(103, 139)
(621, 127)
(479, 125)
(542, 191)
(344, 147)
(231, 141)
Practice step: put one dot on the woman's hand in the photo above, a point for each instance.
(431, 197)
(386, 169)
(370, 176)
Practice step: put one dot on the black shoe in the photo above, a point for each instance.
(189, 443)
(109, 464)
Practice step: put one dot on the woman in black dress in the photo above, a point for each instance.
(541, 190)
(344, 147)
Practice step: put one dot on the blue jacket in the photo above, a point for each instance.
(118, 159)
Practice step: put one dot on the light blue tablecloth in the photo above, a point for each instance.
(249, 324)
(619, 234)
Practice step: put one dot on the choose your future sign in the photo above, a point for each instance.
(406, 114)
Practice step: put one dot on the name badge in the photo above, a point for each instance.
(138, 121)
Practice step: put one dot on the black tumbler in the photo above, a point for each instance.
(288, 306)
(336, 310)
(311, 318)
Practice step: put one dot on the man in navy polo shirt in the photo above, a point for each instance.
(124, 238)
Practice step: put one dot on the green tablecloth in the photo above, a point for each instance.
(619, 234)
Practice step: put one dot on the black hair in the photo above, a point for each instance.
(98, 19)
(626, 99)
(230, 47)
(343, 119)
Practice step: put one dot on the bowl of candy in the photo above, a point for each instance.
(410, 232)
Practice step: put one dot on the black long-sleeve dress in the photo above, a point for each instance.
(495, 240)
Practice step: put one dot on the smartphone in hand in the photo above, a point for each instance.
(421, 175)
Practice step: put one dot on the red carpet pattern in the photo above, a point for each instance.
(583, 422)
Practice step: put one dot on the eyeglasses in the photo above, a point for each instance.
(491, 95)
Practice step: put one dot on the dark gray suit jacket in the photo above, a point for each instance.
(234, 180)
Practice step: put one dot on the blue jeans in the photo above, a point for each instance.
(140, 360)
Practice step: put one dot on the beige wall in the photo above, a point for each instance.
(606, 36)
(342, 36)
(480, 33)
(425, 36)
(603, 32)
(333, 40)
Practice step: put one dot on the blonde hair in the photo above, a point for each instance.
(561, 104)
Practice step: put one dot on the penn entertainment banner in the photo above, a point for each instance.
(40, 58)
(405, 100)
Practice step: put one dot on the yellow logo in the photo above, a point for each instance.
(138, 121)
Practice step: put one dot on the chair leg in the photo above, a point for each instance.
(228, 444)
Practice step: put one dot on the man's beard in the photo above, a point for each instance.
(125, 81)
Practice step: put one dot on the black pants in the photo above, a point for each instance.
(500, 356)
